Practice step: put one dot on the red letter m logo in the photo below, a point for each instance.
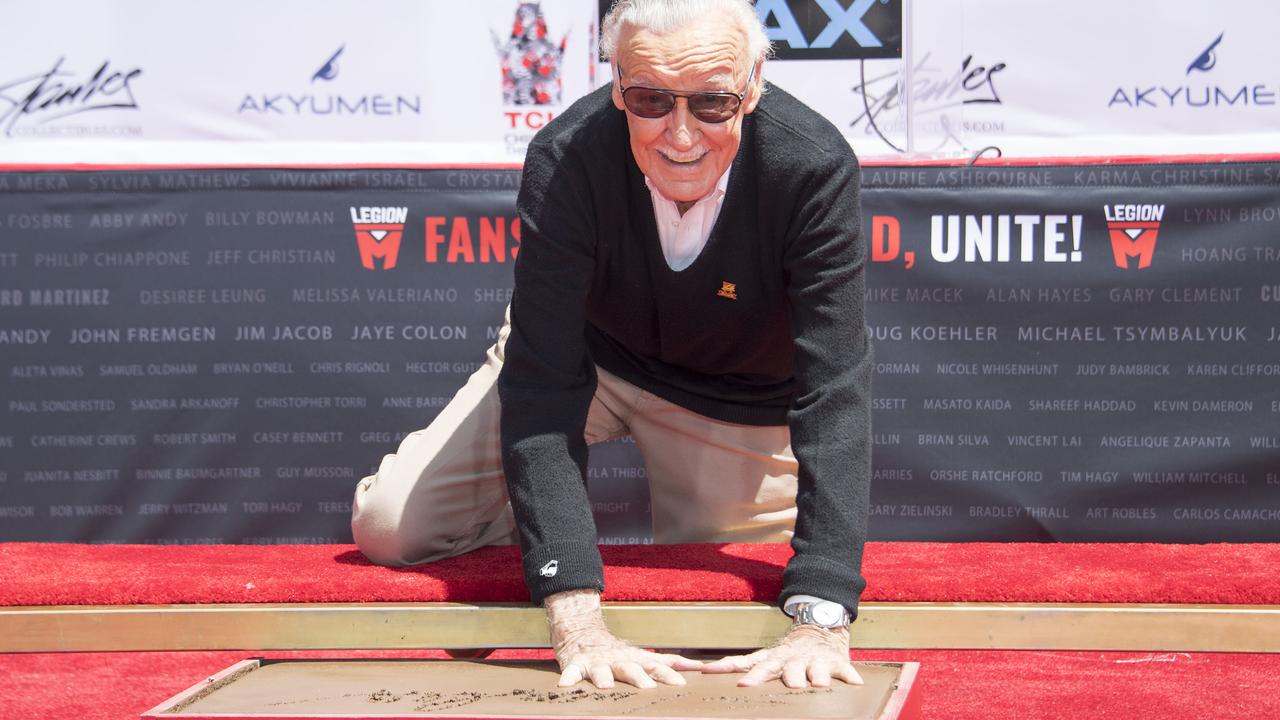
(379, 241)
(1133, 239)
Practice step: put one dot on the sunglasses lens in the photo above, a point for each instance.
(713, 108)
(648, 103)
(707, 107)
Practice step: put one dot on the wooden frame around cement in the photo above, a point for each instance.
(689, 625)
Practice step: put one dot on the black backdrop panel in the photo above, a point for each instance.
(1068, 353)
(1077, 353)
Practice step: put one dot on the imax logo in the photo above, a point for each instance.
(833, 29)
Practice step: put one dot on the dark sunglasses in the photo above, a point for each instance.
(708, 107)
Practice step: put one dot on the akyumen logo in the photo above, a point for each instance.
(1206, 59)
(378, 233)
(329, 71)
(1134, 229)
(1197, 91)
(348, 97)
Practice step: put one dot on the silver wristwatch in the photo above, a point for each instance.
(824, 614)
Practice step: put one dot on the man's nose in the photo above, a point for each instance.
(681, 125)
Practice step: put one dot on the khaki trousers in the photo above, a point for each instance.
(443, 492)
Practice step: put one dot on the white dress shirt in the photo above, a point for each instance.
(683, 236)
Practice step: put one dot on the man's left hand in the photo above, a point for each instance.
(807, 655)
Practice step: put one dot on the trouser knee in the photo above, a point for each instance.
(377, 526)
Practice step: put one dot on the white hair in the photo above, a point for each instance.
(663, 16)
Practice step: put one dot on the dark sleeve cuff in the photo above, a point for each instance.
(820, 577)
(557, 567)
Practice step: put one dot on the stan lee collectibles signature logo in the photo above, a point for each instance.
(935, 91)
(57, 93)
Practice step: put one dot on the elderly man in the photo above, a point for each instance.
(690, 274)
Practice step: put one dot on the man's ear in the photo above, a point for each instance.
(753, 92)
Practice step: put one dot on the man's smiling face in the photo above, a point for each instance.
(682, 156)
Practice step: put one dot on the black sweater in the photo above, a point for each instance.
(592, 287)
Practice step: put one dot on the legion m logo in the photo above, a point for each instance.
(1134, 229)
(378, 233)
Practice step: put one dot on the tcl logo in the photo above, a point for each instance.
(531, 120)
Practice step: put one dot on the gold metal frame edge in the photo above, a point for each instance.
(889, 625)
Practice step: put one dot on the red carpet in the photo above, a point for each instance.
(955, 685)
(66, 574)
(1006, 685)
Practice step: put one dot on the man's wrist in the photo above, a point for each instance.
(838, 637)
(573, 612)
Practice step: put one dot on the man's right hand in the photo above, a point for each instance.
(586, 649)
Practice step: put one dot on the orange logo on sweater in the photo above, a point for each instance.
(728, 290)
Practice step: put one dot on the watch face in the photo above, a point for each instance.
(828, 613)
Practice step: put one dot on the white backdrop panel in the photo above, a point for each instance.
(420, 81)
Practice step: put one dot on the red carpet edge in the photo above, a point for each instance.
(74, 574)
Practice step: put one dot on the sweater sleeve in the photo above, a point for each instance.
(830, 419)
(547, 379)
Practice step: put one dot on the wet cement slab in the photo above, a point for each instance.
(513, 689)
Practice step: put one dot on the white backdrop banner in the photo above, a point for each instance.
(438, 81)
(313, 81)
